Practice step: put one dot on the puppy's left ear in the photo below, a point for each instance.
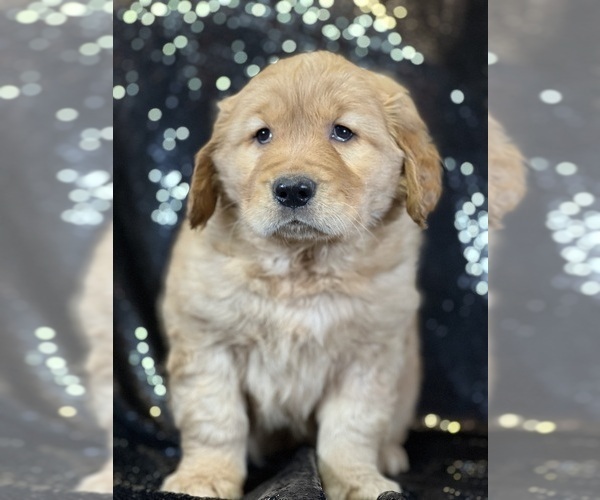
(421, 180)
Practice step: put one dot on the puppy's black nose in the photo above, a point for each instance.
(294, 192)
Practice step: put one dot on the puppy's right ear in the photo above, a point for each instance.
(204, 190)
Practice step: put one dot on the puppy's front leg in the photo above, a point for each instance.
(209, 410)
(353, 420)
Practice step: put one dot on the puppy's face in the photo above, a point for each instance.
(316, 148)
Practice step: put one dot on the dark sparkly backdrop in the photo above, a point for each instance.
(172, 63)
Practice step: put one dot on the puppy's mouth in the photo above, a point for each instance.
(297, 229)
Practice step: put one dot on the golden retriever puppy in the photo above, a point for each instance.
(290, 302)
(506, 188)
(94, 314)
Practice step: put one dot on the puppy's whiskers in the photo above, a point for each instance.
(356, 222)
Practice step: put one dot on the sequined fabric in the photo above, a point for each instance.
(172, 63)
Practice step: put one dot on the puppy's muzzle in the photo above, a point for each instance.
(293, 192)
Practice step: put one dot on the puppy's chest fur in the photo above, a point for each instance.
(284, 374)
(299, 343)
(293, 323)
(296, 328)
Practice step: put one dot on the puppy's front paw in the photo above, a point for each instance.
(353, 485)
(201, 483)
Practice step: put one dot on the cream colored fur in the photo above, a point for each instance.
(302, 322)
(94, 313)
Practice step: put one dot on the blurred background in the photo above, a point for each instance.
(545, 267)
(56, 171)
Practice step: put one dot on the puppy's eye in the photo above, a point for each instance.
(341, 133)
(264, 135)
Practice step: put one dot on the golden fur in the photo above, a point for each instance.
(301, 319)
